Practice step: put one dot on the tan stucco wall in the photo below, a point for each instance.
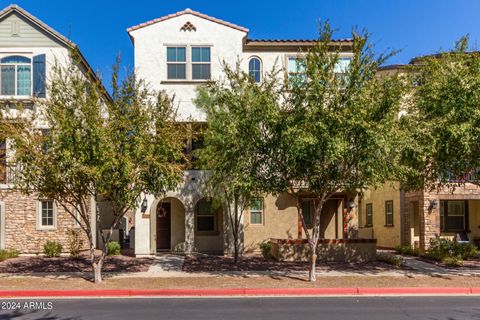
(388, 237)
(474, 218)
(280, 220)
(212, 242)
(177, 222)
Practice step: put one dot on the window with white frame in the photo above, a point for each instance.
(255, 69)
(176, 63)
(389, 213)
(200, 63)
(342, 65)
(296, 68)
(369, 215)
(46, 214)
(188, 63)
(15, 76)
(256, 211)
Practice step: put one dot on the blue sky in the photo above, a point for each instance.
(416, 27)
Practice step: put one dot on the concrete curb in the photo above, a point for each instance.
(238, 292)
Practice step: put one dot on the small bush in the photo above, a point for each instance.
(266, 247)
(113, 248)
(52, 249)
(8, 254)
(407, 250)
(452, 261)
(75, 243)
(390, 259)
(443, 248)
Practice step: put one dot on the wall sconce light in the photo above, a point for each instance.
(432, 204)
(351, 204)
(143, 207)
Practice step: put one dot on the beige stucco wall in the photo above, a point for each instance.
(280, 220)
(211, 242)
(474, 218)
(388, 237)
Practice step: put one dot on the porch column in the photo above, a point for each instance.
(189, 228)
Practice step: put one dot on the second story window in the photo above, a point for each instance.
(15, 76)
(200, 63)
(255, 69)
(296, 69)
(176, 63)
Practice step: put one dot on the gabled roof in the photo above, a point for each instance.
(187, 11)
(13, 8)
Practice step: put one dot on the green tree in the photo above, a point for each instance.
(444, 118)
(95, 147)
(337, 129)
(236, 110)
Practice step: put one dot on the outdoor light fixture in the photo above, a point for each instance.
(351, 204)
(432, 204)
(143, 208)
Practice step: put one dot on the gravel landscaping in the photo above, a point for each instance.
(121, 263)
(209, 263)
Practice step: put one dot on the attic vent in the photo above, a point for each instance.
(188, 26)
(15, 31)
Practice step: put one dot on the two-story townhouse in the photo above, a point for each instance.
(178, 52)
(397, 217)
(28, 51)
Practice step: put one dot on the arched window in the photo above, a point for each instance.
(15, 76)
(255, 69)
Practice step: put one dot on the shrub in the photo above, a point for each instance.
(113, 248)
(452, 261)
(52, 249)
(407, 250)
(8, 254)
(266, 247)
(443, 248)
(75, 243)
(390, 259)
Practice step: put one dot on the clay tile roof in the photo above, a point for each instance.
(187, 11)
(291, 41)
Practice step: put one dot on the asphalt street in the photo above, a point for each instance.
(338, 308)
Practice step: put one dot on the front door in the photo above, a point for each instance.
(163, 226)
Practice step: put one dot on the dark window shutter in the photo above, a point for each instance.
(39, 75)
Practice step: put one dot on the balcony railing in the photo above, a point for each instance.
(468, 177)
(7, 172)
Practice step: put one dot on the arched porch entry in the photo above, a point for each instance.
(168, 224)
(208, 224)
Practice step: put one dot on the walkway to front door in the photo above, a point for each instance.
(164, 226)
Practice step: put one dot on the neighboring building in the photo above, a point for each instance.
(176, 53)
(28, 51)
(395, 217)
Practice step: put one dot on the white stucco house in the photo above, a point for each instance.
(176, 53)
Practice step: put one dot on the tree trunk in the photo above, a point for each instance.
(312, 277)
(235, 250)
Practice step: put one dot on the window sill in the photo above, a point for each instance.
(389, 226)
(185, 81)
(46, 228)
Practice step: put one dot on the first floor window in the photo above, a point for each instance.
(47, 213)
(206, 216)
(256, 211)
(389, 213)
(3, 161)
(453, 216)
(369, 215)
(307, 212)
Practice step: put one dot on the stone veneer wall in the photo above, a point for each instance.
(21, 231)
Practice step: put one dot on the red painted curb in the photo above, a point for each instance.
(237, 292)
(391, 291)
